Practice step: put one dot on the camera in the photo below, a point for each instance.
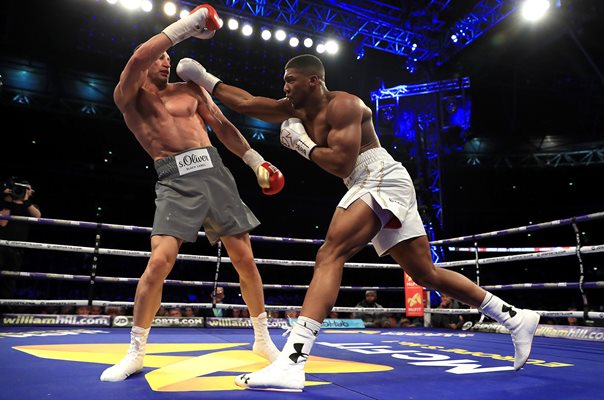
(15, 189)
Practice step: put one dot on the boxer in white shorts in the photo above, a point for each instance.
(335, 130)
(386, 187)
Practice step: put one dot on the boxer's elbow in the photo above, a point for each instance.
(342, 166)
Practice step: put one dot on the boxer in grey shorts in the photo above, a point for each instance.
(207, 196)
(171, 122)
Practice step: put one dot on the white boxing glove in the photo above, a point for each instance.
(202, 22)
(294, 136)
(190, 70)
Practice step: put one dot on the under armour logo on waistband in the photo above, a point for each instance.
(509, 310)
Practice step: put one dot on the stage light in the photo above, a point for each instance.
(533, 10)
(130, 4)
(169, 8)
(247, 30)
(294, 42)
(308, 42)
(280, 35)
(233, 24)
(332, 47)
(360, 53)
(266, 34)
(183, 13)
(147, 6)
(320, 48)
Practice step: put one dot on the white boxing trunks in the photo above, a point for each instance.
(385, 185)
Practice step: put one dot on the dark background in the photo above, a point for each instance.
(535, 88)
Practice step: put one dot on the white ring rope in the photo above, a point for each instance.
(391, 310)
(176, 282)
(193, 257)
(133, 228)
(537, 253)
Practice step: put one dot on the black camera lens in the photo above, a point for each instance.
(18, 190)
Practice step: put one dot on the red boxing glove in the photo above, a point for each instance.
(213, 21)
(276, 180)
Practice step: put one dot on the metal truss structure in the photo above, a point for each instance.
(418, 34)
(578, 158)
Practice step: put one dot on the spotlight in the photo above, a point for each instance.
(280, 35)
(169, 8)
(183, 13)
(308, 42)
(247, 30)
(294, 42)
(266, 34)
(147, 6)
(454, 38)
(534, 10)
(332, 47)
(320, 48)
(131, 4)
(233, 24)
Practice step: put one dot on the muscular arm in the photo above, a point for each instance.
(135, 71)
(264, 108)
(344, 115)
(225, 131)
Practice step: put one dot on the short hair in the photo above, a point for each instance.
(373, 292)
(308, 63)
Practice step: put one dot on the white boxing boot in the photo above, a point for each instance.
(286, 373)
(521, 323)
(133, 361)
(263, 344)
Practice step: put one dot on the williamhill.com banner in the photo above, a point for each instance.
(55, 320)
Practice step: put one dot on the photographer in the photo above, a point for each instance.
(16, 200)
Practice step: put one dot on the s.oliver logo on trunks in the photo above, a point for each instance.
(193, 160)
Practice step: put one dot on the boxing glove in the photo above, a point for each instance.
(294, 136)
(190, 70)
(270, 179)
(202, 22)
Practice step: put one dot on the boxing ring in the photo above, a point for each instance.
(65, 361)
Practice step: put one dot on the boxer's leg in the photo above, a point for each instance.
(239, 249)
(414, 256)
(164, 250)
(349, 231)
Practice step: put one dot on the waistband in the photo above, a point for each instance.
(187, 161)
(366, 158)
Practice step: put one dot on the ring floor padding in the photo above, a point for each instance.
(65, 363)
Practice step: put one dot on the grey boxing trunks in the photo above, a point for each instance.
(195, 189)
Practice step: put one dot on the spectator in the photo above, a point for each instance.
(236, 313)
(572, 321)
(175, 312)
(189, 312)
(451, 321)
(15, 200)
(217, 298)
(372, 318)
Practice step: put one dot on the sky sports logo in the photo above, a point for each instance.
(122, 321)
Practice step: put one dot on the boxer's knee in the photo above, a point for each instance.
(157, 269)
(245, 265)
(427, 277)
